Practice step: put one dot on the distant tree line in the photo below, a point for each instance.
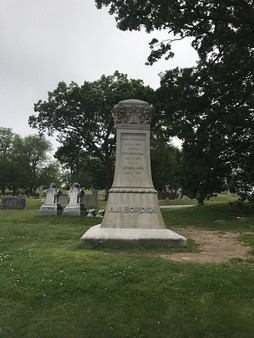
(24, 164)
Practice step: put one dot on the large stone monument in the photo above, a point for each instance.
(75, 206)
(132, 215)
(51, 207)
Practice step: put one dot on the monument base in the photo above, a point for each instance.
(46, 210)
(120, 237)
(74, 211)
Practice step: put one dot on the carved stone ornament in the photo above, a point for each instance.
(132, 112)
(133, 190)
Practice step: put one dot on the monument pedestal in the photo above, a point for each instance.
(50, 210)
(129, 237)
(132, 216)
(74, 210)
(136, 208)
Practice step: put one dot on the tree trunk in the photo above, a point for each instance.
(108, 176)
(3, 189)
(106, 193)
(200, 200)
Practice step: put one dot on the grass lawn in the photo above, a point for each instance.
(51, 288)
(221, 198)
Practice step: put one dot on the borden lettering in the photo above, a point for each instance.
(133, 210)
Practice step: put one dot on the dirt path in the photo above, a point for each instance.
(214, 246)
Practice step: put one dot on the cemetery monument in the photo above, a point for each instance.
(132, 215)
(75, 206)
(51, 206)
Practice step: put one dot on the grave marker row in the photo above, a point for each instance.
(76, 204)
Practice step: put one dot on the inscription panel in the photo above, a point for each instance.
(133, 155)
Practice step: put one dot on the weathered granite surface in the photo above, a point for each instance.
(132, 215)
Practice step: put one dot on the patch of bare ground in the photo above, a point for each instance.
(213, 246)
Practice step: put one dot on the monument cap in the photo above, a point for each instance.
(132, 111)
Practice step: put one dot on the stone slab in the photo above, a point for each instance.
(50, 210)
(13, 202)
(120, 237)
(75, 211)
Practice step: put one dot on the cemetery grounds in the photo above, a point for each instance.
(52, 288)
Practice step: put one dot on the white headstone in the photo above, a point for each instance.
(75, 207)
(51, 207)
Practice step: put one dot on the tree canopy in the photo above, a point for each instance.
(30, 155)
(209, 106)
(218, 138)
(24, 162)
(217, 27)
(166, 165)
(81, 115)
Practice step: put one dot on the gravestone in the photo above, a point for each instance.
(132, 215)
(90, 200)
(75, 207)
(13, 202)
(51, 207)
(91, 213)
(100, 213)
(63, 200)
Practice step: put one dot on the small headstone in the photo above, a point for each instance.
(90, 200)
(75, 207)
(100, 213)
(91, 213)
(63, 200)
(51, 207)
(13, 202)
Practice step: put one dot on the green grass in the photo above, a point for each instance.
(220, 198)
(51, 288)
(214, 217)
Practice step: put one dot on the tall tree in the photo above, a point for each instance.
(186, 112)
(217, 27)
(30, 155)
(218, 135)
(6, 166)
(165, 164)
(48, 173)
(209, 106)
(81, 115)
(24, 162)
(6, 138)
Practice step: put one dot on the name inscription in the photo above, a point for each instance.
(133, 153)
(133, 210)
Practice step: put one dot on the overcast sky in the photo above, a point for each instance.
(47, 41)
